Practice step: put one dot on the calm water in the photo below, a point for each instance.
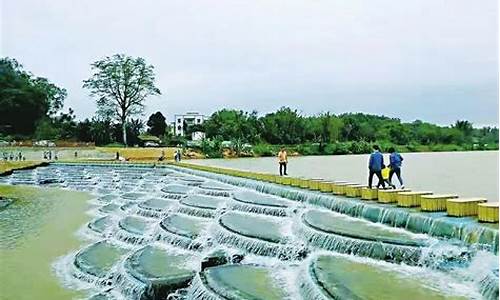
(35, 230)
(468, 174)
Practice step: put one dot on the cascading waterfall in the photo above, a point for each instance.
(121, 190)
(257, 246)
(378, 250)
(489, 285)
(259, 209)
(199, 291)
(388, 215)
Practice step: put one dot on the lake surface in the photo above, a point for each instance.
(468, 174)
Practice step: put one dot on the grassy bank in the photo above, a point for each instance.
(6, 167)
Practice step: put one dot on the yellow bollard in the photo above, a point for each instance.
(462, 207)
(286, 181)
(304, 183)
(271, 178)
(295, 181)
(435, 202)
(313, 184)
(389, 196)
(354, 190)
(487, 212)
(369, 194)
(326, 186)
(339, 188)
(410, 199)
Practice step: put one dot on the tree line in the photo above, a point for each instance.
(31, 108)
(344, 133)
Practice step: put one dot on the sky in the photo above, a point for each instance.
(433, 60)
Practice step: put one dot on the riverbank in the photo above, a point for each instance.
(7, 167)
(343, 148)
(258, 150)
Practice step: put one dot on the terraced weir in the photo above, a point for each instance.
(171, 232)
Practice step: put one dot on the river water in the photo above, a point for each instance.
(141, 231)
(468, 174)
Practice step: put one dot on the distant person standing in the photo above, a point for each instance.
(396, 161)
(375, 166)
(179, 155)
(283, 161)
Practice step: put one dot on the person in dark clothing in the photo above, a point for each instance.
(396, 161)
(375, 166)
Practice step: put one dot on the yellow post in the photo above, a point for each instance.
(369, 194)
(339, 188)
(335, 184)
(304, 183)
(389, 196)
(295, 181)
(410, 199)
(326, 186)
(462, 207)
(313, 184)
(354, 190)
(435, 202)
(286, 181)
(487, 212)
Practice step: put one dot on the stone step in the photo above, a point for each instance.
(369, 194)
(389, 196)
(339, 187)
(354, 190)
(488, 212)
(411, 199)
(462, 207)
(435, 202)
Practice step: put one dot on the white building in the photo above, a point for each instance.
(187, 119)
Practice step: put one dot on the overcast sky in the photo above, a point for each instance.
(435, 60)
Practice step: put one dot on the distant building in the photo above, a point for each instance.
(185, 120)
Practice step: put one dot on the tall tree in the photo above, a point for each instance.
(121, 84)
(23, 94)
(156, 124)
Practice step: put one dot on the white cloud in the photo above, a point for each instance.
(430, 59)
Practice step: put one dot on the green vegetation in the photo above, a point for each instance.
(120, 84)
(26, 101)
(350, 133)
(9, 166)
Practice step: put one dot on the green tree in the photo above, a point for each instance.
(25, 100)
(121, 84)
(286, 126)
(230, 124)
(156, 124)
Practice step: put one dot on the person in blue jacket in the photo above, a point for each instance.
(395, 164)
(375, 166)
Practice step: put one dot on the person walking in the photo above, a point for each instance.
(283, 161)
(375, 166)
(395, 160)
